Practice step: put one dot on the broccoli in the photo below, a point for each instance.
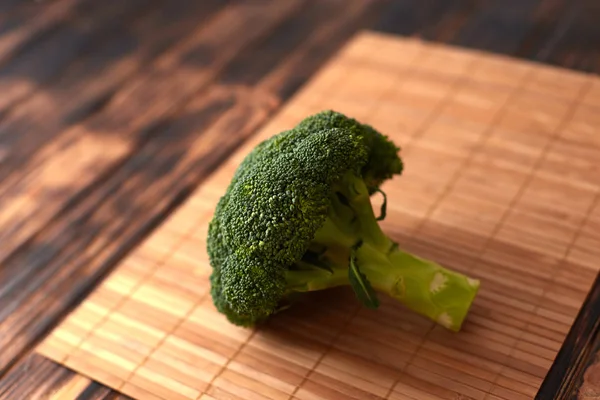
(297, 217)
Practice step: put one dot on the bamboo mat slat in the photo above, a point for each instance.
(501, 182)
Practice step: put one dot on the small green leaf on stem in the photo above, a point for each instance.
(383, 206)
(359, 282)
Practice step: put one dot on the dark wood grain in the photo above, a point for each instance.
(574, 374)
(39, 378)
(166, 90)
(89, 25)
(90, 82)
(23, 24)
(574, 39)
(404, 17)
(84, 90)
(499, 26)
(34, 378)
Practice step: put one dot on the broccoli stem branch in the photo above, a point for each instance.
(310, 280)
(440, 294)
(364, 222)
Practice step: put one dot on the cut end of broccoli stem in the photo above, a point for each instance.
(358, 253)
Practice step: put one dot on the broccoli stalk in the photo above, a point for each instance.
(355, 251)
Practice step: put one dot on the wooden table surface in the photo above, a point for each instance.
(148, 75)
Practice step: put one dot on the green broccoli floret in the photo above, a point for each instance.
(297, 217)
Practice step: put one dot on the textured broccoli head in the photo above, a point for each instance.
(278, 198)
(383, 161)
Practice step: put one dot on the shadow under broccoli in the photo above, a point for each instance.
(297, 217)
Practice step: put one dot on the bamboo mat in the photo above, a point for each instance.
(501, 182)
